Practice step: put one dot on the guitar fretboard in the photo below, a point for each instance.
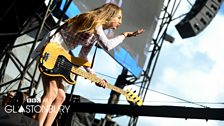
(96, 79)
(55, 61)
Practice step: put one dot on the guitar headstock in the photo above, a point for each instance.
(132, 97)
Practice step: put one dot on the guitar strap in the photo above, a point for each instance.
(93, 59)
(58, 29)
(42, 45)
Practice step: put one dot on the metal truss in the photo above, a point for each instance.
(164, 21)
(35, 26)
(41, 22)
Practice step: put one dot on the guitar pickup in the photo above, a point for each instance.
(46, 56)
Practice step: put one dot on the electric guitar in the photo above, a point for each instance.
(55, 61)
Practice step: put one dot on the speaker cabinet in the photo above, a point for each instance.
(198, 18)
(71, 118)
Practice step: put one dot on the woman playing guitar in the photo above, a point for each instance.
(85, 29)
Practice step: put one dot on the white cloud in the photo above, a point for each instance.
(194, 66)
(190, 69)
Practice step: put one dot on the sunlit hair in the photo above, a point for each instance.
(87, 22)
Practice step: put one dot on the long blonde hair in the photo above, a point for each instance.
(87, 22)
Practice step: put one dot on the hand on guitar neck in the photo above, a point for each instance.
(102, 83)
(61, 64)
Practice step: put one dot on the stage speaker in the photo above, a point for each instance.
(76, 118)
(198, 18)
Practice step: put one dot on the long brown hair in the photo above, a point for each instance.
(87, 22)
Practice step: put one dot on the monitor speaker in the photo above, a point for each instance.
(72, 118)
(198, 18)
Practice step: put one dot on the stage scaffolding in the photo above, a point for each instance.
(25, 74)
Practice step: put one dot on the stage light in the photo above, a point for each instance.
(168, 38)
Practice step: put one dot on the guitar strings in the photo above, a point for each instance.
(67, 64)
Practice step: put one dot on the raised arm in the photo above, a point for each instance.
(107, 43)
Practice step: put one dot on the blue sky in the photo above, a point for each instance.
(191, 69)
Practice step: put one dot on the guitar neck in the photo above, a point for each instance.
(96, 79)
